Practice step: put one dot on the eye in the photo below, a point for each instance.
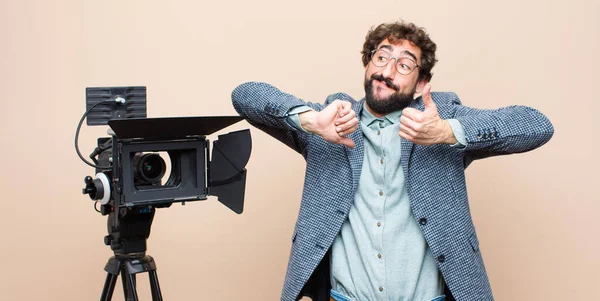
(382, 58)
(406, 64)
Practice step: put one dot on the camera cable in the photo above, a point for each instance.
(118, 100)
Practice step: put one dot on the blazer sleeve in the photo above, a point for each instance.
(266, 108)
(508, 130)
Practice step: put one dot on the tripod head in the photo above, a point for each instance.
(128, 234)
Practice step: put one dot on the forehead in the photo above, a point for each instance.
(401, 47)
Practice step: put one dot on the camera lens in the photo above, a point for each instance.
(149, 168)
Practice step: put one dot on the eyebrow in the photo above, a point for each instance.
(390, 48)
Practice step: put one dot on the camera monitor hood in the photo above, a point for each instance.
(170, 127)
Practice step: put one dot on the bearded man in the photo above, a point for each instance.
(384, 213)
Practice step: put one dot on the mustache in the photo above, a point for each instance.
(388, 82)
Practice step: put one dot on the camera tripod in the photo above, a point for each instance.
(128, 230)
(128, 265)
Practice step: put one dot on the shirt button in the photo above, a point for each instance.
(381, 289)
(379, 256)
(378, 224)
(380, 193)
(381, 161)
(423, 221)
(441, 258)
(378, 133)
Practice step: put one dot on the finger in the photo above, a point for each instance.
(347, 142)
(413, 114)
(345, 126)
(427, 100)
(348, 131)
(407, 122)
(405, 136)
(409, 131)
(344, 108)
(413, 139)
(349, 116)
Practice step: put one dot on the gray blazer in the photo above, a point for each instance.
(435, 181)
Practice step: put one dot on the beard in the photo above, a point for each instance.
(395, 102)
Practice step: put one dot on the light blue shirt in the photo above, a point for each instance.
(380, 253)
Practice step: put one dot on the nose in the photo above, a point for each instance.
(389, 71)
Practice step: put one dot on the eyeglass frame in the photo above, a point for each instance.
(396, 58)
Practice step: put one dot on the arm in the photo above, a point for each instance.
(267, 108)
(483, 133)
(509, 130)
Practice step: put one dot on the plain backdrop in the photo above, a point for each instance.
(536, 213)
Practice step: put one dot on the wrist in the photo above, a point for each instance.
(308, 121)
(450, 138)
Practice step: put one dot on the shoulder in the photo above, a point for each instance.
(340, 96)
(445, 98)
(252, 88)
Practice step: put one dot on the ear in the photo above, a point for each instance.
(420, 85)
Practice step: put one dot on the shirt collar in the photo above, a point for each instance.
(369, 118)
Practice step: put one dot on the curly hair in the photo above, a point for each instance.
(401, 30)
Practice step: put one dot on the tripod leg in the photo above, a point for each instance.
(154, 286)
(109, 287)
(126, 289)
(131, 280)
(128, 281)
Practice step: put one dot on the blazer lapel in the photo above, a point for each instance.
(356, 154)
(407, 146)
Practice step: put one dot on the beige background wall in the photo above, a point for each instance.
(536, 213)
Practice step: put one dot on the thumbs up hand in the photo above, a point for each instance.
(426, 127)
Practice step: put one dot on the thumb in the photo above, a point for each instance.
(344, 108)
(427, 100)
(347, 142)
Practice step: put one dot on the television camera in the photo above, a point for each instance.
(132, 178)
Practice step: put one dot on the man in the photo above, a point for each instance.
(384, 212)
